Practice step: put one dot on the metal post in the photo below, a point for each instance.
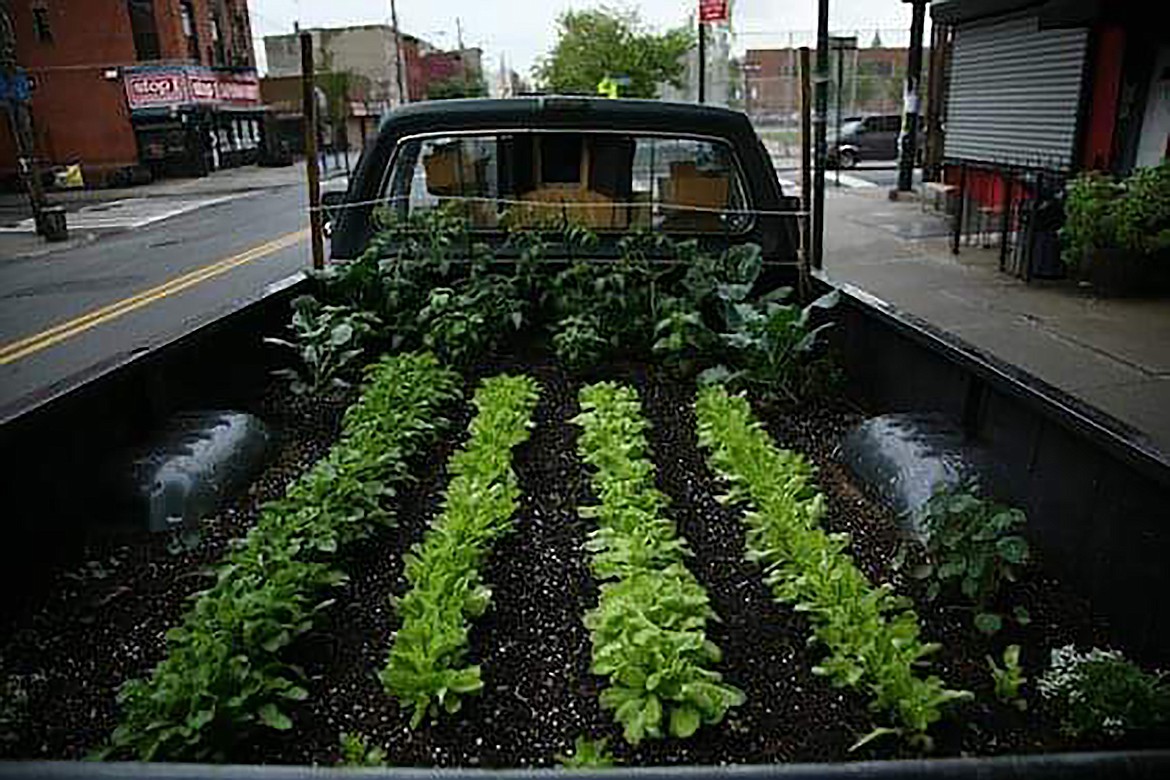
(956, 237)
(822, 107)
(909, 145)
(1005, 217)
(840, 89)
(702, 63)
(309, 108)
(20, 123)
(805, 159)
(403, 97)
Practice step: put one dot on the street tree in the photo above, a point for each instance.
(605, 42)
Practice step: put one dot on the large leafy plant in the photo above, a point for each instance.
(871, 637)
(427, 669)
(328, 342)
(973, 546)
(224, 674)
(648, 629)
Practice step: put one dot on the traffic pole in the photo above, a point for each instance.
(702, 62)
(309, 109)
(819, 116)
(908, 147)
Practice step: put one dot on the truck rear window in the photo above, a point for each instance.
(602, 181)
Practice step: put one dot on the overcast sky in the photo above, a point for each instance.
(522, 30)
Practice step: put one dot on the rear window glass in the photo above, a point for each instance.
(605, 182)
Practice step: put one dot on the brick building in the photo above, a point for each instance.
(130, 88)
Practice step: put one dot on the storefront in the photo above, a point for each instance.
(191, 120)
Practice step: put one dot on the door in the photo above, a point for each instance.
(1154, 144)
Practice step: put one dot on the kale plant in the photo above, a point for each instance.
(328, 341)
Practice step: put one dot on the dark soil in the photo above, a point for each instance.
(534, 651)
(99, 624)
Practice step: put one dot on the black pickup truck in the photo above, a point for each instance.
(114, 452)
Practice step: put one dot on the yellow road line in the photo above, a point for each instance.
(16, 350)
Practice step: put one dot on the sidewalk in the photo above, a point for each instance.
(247, 178)
(1113, 354)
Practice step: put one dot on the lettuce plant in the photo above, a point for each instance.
(649, 627)
(223, 673)
(872, 639)
(427, 668)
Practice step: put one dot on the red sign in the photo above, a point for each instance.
(714, 10)
(156, 88)
(150, 87)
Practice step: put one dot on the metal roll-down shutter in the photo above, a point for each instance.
(1015, 92)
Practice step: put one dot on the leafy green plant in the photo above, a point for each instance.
(1142, 214)
(588, 754)
(1008, 678)
(356, 751)
(1100, 693)
(973, 546)
(328, 342)
(649, 627)
(774, 343)
(427, 669)
(578, 342)
(872, 638)
(1088, 220)
(1133, 214)
(223, 674)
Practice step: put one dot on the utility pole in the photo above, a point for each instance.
(403, 97)
(821, 109)
(309, 109)
(15, 83)
(805, 165)
(908, 148)
(702, 62)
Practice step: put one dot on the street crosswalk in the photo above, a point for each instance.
(126, 214)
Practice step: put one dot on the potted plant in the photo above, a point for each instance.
(1116, 234)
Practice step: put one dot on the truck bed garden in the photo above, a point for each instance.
(92, 634)
(533, 550)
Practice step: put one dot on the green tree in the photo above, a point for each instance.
(608, 42)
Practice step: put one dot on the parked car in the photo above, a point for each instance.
(873, 137)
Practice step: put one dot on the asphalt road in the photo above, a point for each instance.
(65, 316)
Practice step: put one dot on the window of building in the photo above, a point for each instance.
(190, 31)
(144, 29)
(41, 24)
(216, 40)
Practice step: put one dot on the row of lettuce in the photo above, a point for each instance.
(226, 671)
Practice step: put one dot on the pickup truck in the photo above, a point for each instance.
(682, 175)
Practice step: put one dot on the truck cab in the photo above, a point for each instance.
(611, 166)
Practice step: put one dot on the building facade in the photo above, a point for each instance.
(366, 51)
(134, 88)
(1037, 90)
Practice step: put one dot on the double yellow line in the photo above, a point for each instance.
(16, 350)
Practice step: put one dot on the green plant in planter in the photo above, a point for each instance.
(775, 344)
(1088, 217)
(328, 341)
(356, 751)
(587, 754)
(972, 545)
(1100, 693)
(1141, 217)
(1008, 678)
